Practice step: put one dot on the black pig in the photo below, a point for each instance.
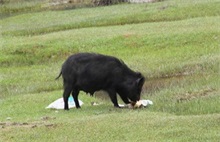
(92, 72)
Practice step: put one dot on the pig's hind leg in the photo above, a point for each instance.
(75, 94)
(66, 94)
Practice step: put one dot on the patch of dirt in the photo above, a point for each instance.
(154, 84)
(193, 95)
(143, 1)
(166, 80)
(45, 118)
(4, 125)
(127, 35)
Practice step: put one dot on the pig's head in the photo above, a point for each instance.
(132, 89)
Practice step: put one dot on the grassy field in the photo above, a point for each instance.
(174, 43)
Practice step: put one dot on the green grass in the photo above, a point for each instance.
(20, 6)
(175, 44)
(98, 123)
(15, 7)
(35, 23)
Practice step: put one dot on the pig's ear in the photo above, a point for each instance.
(140, 81)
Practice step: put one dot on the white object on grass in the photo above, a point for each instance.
(140, 103)
(146, 102)
(59, 103)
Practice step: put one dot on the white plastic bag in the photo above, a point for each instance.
(59, 103)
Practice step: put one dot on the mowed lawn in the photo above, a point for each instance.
(175, 44)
